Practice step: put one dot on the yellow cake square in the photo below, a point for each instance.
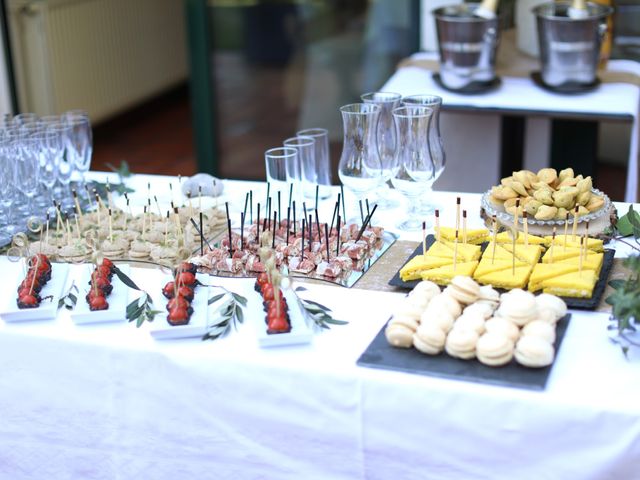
(443, 275)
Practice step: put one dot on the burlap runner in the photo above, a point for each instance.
(513, 63)
(378, 276)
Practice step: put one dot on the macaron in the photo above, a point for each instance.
(426, 289)
(542, 329)
(534, 352)
(546, 315)
(429, 339)
(483, 309)
(555, 304)
(519, 307)
(404, 320)
(464, 289)
(494, 349)
(438, 316)
(408, 309)
(471, 320)
(489, 294)
(503, 326)
(461, 343)
(399, 336)
(447, 302)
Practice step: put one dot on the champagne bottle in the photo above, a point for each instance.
(487, 9)
(578, 9)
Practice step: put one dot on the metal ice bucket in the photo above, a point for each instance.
(570, 47)
(467, 45)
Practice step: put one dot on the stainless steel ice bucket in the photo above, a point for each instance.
(467, 45)
(570, 47)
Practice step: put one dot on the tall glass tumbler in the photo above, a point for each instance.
(80, 142)
(416, 169)
(435, 142)
(306, 168)
(360, 168)
(321, 158)
(385, 138)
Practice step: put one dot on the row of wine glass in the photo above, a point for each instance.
(38, 157)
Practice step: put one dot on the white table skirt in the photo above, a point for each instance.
(109, 402)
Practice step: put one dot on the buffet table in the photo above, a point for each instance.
(108, 401)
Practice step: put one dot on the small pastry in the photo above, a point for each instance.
(534, 352)
(438, 316)
(489, 294)
(405, 321)
(418, 301)
(461, 343)
(464, 289)
(540, 328)
(448, 303)
(399, 336)
(429, 339)
(504, 327)
(546, 315)
(409, 309)
(518, 306)
(553, 303)
(480, 308)
(426, 289)
(494, 349)
(139, 249)
(471, 320)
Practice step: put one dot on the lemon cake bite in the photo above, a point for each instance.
(527, 253)
(591, 261)
(475, 236)
(504, 237)
(443, 275)
(419, 264)
(465, 251)
(575, 284)
(489, 265)
(508, 278)
(544, 271)
(573, 241)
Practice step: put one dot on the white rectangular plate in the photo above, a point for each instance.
(161, 329)
(300, 332)
(118, 300)
(48, 309)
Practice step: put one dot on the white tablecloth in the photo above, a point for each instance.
(109, 402)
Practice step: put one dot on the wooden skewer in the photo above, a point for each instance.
(513, 256)
(155, 199)
(326, 239)
(109, 197)
(86, 187)
(77, 203)
(46, 237)
(144, 222)
(494, 239)
(457, 213)
(574, 228)
(199, 198)
(166, 229)
(202, 234)
(99, 209)
(110, 227)
(553, 242)
(525, 227)
(464, 226)
(424, 238)
(250, 207)
(190, 204)
(338, 236)
(580, 259)
(455, 252)
(69, 237)
(566, 228)
(437, 225)
(516, 216)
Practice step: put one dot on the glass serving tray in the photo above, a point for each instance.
(360, 267)
(492, 209)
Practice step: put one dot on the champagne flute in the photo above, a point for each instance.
(80, 142)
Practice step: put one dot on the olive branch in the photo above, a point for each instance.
(230, 313)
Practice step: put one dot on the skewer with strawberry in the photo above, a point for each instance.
(38, 274)
(180, 293)
(101, 287)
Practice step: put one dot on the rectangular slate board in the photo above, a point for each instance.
(576, 303)
(379, 354)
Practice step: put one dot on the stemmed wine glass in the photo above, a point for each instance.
(435, 142)
(50, 142)
(7, 188)
(65, 162)
(360, 169)
(27, 171)
(80, 142)
(414, 161)
(385, 139)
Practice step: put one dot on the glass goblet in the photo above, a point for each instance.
(415, 167)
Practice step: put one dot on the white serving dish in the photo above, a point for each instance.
(118, 300)
(48, 309)
(197, 327)
(300, 332)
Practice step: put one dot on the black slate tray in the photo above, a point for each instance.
(379, 354)
(572, 302)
